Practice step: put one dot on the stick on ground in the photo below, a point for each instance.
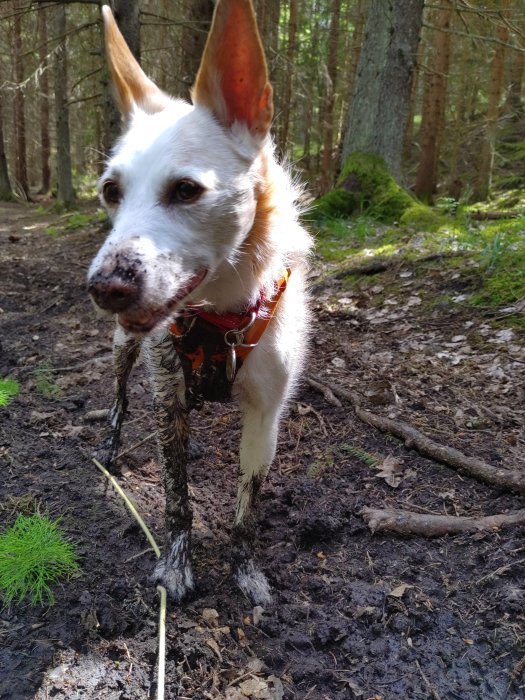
(413, 438)
(406, 522)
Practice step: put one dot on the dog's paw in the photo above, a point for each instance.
(173, 570)
(253, 583)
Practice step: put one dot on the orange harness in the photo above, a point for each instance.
(212, 347)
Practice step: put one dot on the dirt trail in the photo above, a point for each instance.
(355, 615)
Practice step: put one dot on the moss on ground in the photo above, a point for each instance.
(365, 186)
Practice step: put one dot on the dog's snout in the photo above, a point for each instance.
(115, 292)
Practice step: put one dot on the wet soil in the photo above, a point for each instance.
(355, 615)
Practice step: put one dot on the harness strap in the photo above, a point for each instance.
(240, 331)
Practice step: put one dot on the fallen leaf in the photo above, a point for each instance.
(256, 688)
(390, 469)
(214, 647)
(257, 613)
(210, 616)
(399, 591)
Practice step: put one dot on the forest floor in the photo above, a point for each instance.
(355, 615)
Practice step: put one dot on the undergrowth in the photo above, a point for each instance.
(44, 382)
(34, 554)
(9, 388)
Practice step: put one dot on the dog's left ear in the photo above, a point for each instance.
(233, 78)
(131, 85)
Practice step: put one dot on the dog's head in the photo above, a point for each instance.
(181, 185)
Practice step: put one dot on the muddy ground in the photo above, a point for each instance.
(355, 615)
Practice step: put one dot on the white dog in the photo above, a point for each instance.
(204, 268)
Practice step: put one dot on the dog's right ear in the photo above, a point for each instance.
(131, 85)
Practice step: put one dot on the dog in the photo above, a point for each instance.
(204, 268)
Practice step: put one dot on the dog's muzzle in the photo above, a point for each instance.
(115, 292)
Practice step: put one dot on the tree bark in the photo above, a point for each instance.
(45, 142)
(381, 97)
(6, 193)
(19, 106)
(434, 105)
(65, 193)
(488, 146)
(198, 21)
(327, 162)
(289, 75)
(127, 14)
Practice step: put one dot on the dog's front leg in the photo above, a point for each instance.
(126, 350)
(174, 568)
(258, 445)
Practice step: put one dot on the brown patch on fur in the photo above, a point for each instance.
(258, 245)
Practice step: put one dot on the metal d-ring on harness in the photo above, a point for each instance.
(234, 338)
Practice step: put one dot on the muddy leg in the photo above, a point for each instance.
(258, 444)
(126, 350)
(174, 568)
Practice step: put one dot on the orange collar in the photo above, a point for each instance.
(239, 333)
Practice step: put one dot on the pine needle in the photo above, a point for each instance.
(34, 554)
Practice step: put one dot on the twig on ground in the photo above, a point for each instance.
(161, 669)
(499, 571)
(325, 391)
(406, 522)
(137, 444)
(433, 692)
(413, 438)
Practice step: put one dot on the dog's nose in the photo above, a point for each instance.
(114, 292)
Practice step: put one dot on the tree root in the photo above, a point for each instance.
(406, 522)
(380, 265)
(413, 438)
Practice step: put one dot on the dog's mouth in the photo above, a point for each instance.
(144, 320)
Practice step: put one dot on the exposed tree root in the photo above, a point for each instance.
(376, 266)
(413, 438)
(493, 215)
(406, 522)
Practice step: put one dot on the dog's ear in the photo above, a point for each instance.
(233, 78)
(131, 85)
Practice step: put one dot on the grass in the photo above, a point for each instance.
(9, 388)
(72, 221)
(495, 248)
(44, 383)
(34, 554)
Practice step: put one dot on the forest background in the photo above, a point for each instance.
(443, 89)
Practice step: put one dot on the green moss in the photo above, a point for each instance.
(9, 388)
(421, 218)
(365, 185)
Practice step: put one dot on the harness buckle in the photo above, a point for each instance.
(234, 338)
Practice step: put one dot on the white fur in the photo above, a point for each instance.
(172, 243)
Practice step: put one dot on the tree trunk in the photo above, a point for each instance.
(289, 75)
(198, 19)
(65, 193)
(6, 193)
(486, 160)
(19, 107)
(327, 162)
(127, 14)
(434, 105)
(45, 143)
(381, 97)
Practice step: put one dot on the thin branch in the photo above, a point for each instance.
(413, 438)
(406, 522)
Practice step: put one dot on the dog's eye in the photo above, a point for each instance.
(111, 192)
(185, 191)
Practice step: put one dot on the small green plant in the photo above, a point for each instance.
(33, 554)
(362, 455)
(9, 388)
(44, 383)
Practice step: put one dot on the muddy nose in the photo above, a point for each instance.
(114, 292)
